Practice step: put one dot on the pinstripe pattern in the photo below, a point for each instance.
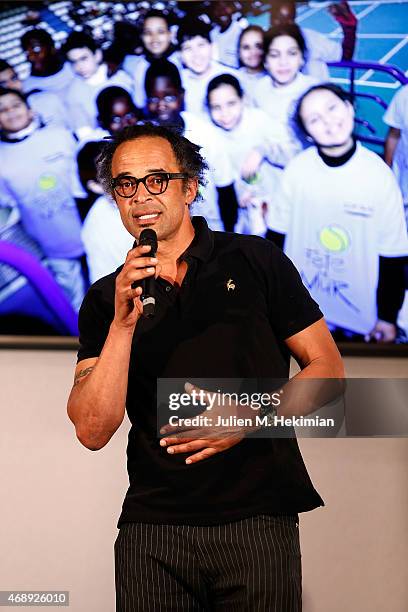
(252, 565)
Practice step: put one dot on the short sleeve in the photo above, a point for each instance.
(396, 113)
(95, 317)
(392, 229)
(292, 308)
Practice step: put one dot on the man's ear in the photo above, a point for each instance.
(98, 56)
(191, 190)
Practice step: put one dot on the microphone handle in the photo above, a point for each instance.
(148, 290)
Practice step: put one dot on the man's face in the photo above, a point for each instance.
(171, 218)
(84, 62)
(283, 13)
(14, 114)
(10, 80)
(156, 35)
(328, 119)
(122, 114)
(38, 54)
(165, 101)
(196, 54)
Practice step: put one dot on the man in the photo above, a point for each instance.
(165, 101)
(91, 76)
(45, 104)
(320, 48)
(48, 70)
(197, 56)
(194, 532)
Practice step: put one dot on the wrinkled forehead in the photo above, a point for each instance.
(143, 155)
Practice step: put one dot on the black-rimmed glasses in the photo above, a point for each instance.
(155, 183)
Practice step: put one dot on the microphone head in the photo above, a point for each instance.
(148, 237)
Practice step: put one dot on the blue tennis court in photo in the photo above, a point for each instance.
(382, 37)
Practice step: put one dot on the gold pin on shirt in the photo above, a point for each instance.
(230, 285)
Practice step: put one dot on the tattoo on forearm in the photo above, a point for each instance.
(81, 374)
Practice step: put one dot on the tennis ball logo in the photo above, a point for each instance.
(334, 239)
(47, 182)
(252, 180)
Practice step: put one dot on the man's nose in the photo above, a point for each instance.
(141, 193)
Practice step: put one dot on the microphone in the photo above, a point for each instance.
(148, 299)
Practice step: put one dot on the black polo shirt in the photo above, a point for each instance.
(205, 330)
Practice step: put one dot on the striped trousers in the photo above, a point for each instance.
(251, 565)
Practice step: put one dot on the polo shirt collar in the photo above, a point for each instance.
(203, 242)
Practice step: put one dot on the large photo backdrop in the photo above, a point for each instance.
(300, 109)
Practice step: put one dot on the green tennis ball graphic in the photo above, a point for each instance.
(334, 238)
(253, 179)
(47, 182)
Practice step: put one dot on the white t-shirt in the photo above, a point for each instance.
(337, 222)
(280, 102)
(130, 63)
(226, 43)
(253, 129)
(396, 116)
(320, 50)
(249, 81)
(82, 94)
(220, 173)
(57, 83)
(139, 74)
(49, 107)
(196, 86)
(105, 238)
(39, 175)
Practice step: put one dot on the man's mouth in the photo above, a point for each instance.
(147, 216)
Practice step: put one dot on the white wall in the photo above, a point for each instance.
(60, 502)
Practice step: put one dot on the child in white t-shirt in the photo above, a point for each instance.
(39, 178)
(91, 76)
(47, 105)
(278, 91)
(227, 26)
(197, 56)
(156, 36)
(242, 128)
(341, 211)
(251, 56)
